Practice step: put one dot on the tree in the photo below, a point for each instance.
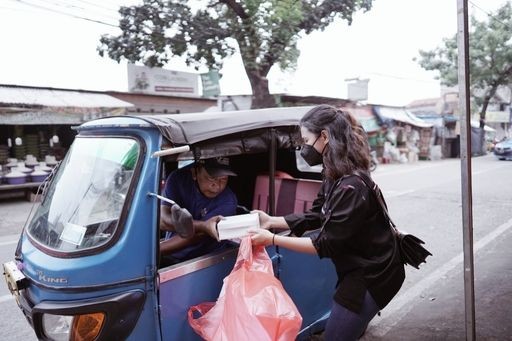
(490, 57)
(264, 31)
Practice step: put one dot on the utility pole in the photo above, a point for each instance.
(465, 157)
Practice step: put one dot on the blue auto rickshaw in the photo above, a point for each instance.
(87, 266)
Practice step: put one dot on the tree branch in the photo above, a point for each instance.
(313, 20)
(236, 7)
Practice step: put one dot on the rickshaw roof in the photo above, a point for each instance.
(182, 129)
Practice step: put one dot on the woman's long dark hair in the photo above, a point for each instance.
(347, 150)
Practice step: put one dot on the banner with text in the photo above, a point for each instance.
(158, 81)
(210, 82)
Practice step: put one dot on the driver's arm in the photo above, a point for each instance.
(200, 227)
(177, 243)
(165, 219)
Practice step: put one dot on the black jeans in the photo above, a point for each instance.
(345, 325)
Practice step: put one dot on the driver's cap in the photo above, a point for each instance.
(218, 167)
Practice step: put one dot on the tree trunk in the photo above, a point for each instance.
(261, 97)
(485, 104)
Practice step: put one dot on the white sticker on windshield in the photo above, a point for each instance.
(73, 234)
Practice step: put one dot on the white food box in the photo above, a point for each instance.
(237, 226)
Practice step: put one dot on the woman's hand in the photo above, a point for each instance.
(265, 219)
(261, 236)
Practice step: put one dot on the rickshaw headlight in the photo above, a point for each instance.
(84, 327)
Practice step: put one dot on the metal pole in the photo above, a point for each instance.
(465, 158)
(272, 173)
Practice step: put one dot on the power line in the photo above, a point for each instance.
(17, 9)
(99, 6)
(66, 5)
(490, 15)
(63, 13)
(403, 78)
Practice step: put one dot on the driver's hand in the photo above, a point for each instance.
(211, 227)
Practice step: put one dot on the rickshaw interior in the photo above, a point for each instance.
(295, 189)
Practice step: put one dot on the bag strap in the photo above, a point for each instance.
(378, 195)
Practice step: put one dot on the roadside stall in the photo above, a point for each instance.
(35, 130)
(413, 136)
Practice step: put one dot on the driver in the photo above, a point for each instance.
(202, 189)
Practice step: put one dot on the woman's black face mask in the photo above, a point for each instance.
(310, 154)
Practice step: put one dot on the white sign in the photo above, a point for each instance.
(159, 81)
(357, 89)
(73, 233)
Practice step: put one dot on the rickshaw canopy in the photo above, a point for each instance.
(183, 129)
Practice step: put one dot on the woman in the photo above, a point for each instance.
(354, 233)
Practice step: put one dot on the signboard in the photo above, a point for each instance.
(210, 81)
(498, 117)
(158, 81)
(357, 89)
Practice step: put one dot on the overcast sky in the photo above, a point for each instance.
(41, 47)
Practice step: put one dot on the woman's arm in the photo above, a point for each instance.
(265, 238)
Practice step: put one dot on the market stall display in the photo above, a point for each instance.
(38, 175)
(16, 177)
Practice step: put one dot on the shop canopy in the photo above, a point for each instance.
(33, 106)
(401, 115)
(366, 117)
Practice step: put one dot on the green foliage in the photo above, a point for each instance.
(490, 56)
(265, 31)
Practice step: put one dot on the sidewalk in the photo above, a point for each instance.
(438, 313)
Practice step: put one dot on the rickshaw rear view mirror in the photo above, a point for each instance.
(180, 217)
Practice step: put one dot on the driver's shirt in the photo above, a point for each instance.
(182, 189)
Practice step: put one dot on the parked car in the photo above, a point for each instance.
(503, 149)
(87, 265)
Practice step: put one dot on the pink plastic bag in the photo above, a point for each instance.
(252, 304)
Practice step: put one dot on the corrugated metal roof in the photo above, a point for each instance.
(58, 98)
(403, 115)
(34, 117)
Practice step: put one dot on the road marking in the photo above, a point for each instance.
(9, 242)
(9, 239)
(401, 305)
(6, 298)
(398, 193)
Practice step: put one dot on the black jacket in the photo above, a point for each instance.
(357, 238)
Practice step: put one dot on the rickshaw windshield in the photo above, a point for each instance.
(85, 199)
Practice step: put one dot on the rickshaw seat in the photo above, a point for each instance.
(292, 195)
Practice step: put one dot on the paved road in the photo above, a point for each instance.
(13, 215)
(423, 198)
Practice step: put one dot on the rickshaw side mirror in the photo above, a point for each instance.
(181, 217)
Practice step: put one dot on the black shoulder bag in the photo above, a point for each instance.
(411, 250)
